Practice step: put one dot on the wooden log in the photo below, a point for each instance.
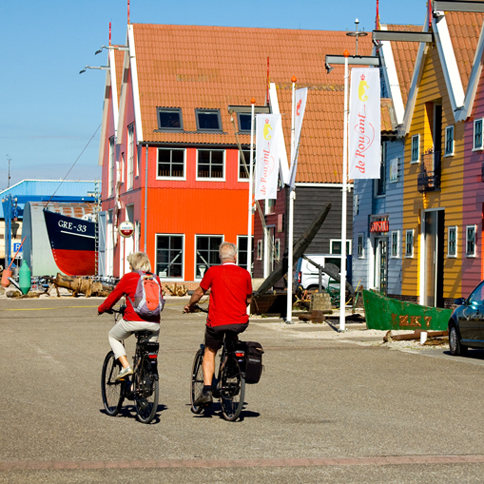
(81, 285)
(415, 335)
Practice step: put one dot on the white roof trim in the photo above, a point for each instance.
(449, 66)
(474, 77)
(391, 78)
(122, 100)
(134, 83)
(114, 90)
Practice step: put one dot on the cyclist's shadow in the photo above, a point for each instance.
(129, 411)
(216, 410)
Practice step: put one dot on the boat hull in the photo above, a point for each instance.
(73, 243)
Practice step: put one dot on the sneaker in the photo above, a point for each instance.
(124, 373)
(203, 399)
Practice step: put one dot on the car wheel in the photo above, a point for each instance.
(456, 349)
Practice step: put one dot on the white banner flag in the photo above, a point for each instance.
(281, 147)
(301, 98)
(364, 124)
(267, 161)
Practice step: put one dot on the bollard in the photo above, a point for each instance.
(24, 278)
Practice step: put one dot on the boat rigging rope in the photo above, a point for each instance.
(70, 169)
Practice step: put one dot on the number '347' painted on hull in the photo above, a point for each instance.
(73, 243)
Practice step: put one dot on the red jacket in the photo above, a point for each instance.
(126, 287)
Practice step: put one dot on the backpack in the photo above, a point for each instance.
(148, 298)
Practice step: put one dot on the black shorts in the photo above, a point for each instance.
(214, 335)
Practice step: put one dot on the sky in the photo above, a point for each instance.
(50, 115)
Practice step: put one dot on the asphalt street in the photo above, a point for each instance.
(329, 407)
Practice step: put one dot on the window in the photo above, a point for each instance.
(170, 119)
(393, 170)
(477, 134)
(395, 244)
(210, 164)
(171, 163)
(270, 206)
(111, 167)
(169, 256)
(361, 247)
(452, 242)
(244, 122)
(130, 170)
(208, 120)
(259, 250)
(243, 175)
(409, 243)
(449, 141)
(335, 247)
(242, 254)
(415, 148)
(471, 241)
(277, 250)
(380, 183)
(207, 253)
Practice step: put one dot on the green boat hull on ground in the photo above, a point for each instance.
(386, 313)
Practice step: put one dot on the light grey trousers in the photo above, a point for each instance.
(124, 329)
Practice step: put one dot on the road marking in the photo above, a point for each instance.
(231, 463)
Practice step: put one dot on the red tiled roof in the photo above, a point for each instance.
(464, 29)
(405, 55)
(193, 67)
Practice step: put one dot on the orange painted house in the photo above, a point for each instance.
(170, 148)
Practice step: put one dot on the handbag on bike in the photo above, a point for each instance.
(253, 360)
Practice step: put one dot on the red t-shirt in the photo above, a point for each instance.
(230, 286)
(126, 287)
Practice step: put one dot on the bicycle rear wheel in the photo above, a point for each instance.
(232, 389)
(146, 394)
(197, 382)
(112, 390)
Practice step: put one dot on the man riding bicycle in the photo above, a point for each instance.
(230, 294)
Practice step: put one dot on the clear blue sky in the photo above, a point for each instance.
(48, 112)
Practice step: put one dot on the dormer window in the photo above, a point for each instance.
(170, 119)
(208, 120)
(244, 122)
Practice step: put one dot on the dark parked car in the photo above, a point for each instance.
(466, 325)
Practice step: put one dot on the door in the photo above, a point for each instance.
(381, 264)
(128, 241)
(433, 258)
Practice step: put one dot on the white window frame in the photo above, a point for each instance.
(260, 251)
(449, 129)
(172, 278)
(249, 247)
(111, 167)
(395, 233)
(412, 159)
(130, 167)
(348, 246)
(471, 253)
(181, 178)
(409, 233)
(277, 250)
(393, 169)
(223, 166)
(199, 236)
(451, 229)
(481, 146)
(361, 246)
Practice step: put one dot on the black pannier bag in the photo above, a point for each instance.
(253, 362)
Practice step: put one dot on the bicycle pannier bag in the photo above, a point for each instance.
(148, 298)
(253, 362)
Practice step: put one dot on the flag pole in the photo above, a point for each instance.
(292, 197)
(251, 176)
(342, 285)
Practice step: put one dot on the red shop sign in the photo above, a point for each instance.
(379, 226)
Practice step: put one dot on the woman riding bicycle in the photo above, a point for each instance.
(131, 321)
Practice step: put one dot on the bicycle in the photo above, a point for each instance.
(142, 387)
(229, 387)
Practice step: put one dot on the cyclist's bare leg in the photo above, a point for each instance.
(124, 361)
(208, 366)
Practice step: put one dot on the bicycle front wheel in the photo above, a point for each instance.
(147, 391)
(197, 382)
(232, 389)
(111, 389)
